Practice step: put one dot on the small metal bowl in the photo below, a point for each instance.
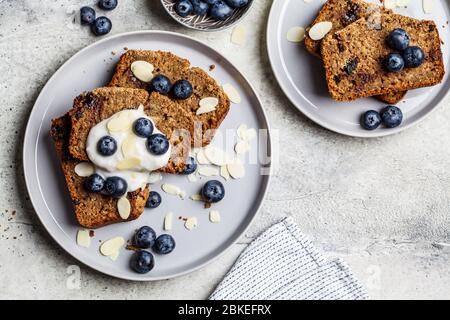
(205, 23)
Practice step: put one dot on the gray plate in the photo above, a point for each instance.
(92, 67)
(302, 78)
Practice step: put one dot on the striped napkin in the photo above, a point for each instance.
(282, 264)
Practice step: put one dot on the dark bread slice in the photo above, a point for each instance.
(342, 13)
(92, 107)
(353, 58)
(176, 68)
(92, 210)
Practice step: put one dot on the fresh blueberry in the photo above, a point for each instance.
(200, 7)
(142, 261)
(157, 144)
(413, 56)
(143, 127)
(87, 15)
(101, 26)
(237, 3)
(213, 191)
(108, 4)
(164, 244)
(191, 166)
(94, 183)
(145, 237)
(107, 146)
(184, 8)
(398, 39)
(391, 116)
(394, 62)
(220, 10)
(211, 1)
(182, 89)
(116, 187)
(160, 84)
(154, 200)
(370, 120)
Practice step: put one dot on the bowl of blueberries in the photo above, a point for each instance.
(207, 15)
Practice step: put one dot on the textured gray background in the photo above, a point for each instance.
(381, 204)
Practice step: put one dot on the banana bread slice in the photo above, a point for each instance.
(201, 127)
(353, 58)
(342, 13)
(92, 210)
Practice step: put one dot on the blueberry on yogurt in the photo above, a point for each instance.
(157, 144)
(94, 183)
(143, 127)
(107, 146)
(116, 187)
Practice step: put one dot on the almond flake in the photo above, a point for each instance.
(83, 238)
(196, 197)
(215, 156)
(129, 163)
(120, 122)
(112, 246)
(214, 216)
(114, 256)
(241, 130)
(129, 146)
(296, 34)
(232, 93)
(168, 221)
(173, 190)
(428, 6)
(84, 169)
(242, 147)
(201, 158)
(236, 169)
(320, 30)
(154, 177)
(206, 108)
(224, 173)
(142, 70)
(191, 223)
(238, 35)
(208, 171)
(249, 135)
(192, 178)
(390, 4)
(124, 208)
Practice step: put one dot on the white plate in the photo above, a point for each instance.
(302, 78)
(92, 67)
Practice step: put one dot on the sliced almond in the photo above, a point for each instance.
(214, 216)
(111, 246)
(124, 208)
(84, 169)
(238, 35)
(296, 34)
(142, 70)
(320, 30)
(390, 4)
(83, 238)
(129, 163)
(191, 223)
(402, 3)
(215, 156)
(168, 221)
(201, 157)
(208, 171)
(114, 256)
(129, 146)
(119, 123)
(224, 172)
(154, 177)
(428, 6)
(236, 169)
(207, 105)
(192, 178)
(196, 197)
(242, 147)
(249, 135)
(232, 93)
(173, 190)
(241, 130)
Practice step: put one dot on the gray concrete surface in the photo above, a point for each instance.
(379, 204)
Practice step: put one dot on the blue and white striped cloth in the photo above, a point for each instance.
(282, 264)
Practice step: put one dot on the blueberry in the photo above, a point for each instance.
(200, 7)
(184, 8)
(164, 244)
(116, 187)
(398, 39)
(391, 116)
(145, 237)
(101, 26)
(237, 3)
(142, 261)
(211, 1)
(87, 15)
(107, 146)
(160, 84)
(370, 120)
(182, 89)
(213, 191)
(413, 56)
(143, 127)
(191, 166)
(108, 4)
(94, 183)
(154, 200)
(157, 144)
(220, 10)
(394, 62)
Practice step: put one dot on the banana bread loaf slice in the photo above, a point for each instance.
(353, 58)
(92, 210)
(201, 127)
